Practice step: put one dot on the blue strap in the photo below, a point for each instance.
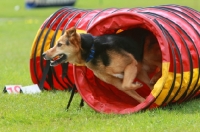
(91, 55)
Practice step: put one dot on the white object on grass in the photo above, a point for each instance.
(31, 89)
(12, 89)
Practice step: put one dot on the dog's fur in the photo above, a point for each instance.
(117, 60)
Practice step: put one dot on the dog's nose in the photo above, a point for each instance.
(43, 55)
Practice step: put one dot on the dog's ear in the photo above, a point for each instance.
(71, 32)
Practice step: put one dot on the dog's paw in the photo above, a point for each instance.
(136, 85)
(155, 78)
(141, 100)
(152, 81)
(132, 86)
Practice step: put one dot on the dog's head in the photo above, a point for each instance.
(66, 48)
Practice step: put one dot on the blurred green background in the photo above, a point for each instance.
(8, 6)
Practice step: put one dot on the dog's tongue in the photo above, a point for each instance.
(57, 60)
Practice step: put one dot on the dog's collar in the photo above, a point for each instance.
(87, 43)
(91, 55)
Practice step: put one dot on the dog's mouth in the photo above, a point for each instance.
(58, 59)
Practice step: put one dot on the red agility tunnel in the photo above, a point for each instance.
(177, 30)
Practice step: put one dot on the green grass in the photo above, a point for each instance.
(46, 111)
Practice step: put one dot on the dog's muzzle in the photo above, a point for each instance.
(58, 59)
(45, 56)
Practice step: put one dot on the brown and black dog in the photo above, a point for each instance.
(115, 59)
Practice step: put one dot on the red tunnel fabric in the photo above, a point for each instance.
(177, 29)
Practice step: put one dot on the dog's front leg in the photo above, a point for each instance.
(135, 95)
(130, 74)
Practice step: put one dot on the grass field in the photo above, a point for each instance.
(45, 112)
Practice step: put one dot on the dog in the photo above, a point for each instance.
(114, 58)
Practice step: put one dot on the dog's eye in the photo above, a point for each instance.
(59, 44)
(67, 42)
